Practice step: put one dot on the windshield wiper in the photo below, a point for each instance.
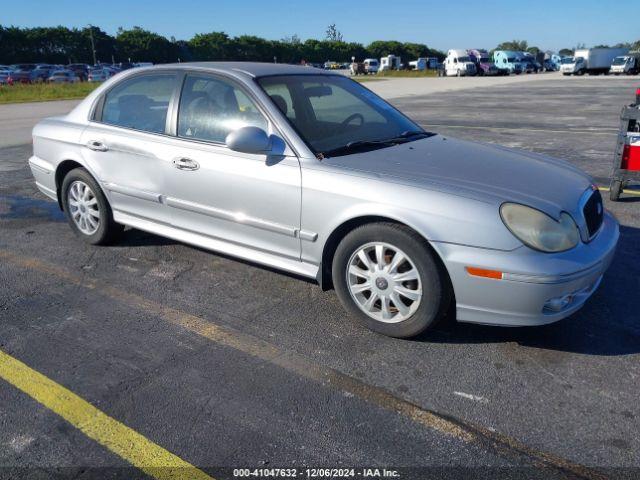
(356, 145)
(413, 133)
(364, 144)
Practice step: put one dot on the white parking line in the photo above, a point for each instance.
(468, 396)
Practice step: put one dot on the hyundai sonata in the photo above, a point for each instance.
(309, 172)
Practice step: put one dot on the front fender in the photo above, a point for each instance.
(329, 200)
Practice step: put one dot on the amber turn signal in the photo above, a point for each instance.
(482, 272)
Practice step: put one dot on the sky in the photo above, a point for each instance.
(547, 24)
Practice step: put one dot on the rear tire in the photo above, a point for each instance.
(87, 209)
(388, 277)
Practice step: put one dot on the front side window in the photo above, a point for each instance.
(211, 108)
(337, 116)
(140, 103)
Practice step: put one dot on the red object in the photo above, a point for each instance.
(631, 157)
(638, 96)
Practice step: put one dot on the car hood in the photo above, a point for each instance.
(481, 171)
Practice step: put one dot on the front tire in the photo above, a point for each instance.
(87, 209)
(387, 276)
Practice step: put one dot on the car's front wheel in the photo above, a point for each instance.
(87, 209)
(387, 277)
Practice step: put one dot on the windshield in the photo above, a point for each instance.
(334, 114)
(464, 59)
(567, 60)
(619, 61)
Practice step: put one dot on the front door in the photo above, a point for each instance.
(248, 200)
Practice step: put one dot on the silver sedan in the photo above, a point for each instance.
(309, 172)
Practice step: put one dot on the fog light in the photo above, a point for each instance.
(558, 304)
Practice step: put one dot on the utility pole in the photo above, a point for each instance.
(93, 46)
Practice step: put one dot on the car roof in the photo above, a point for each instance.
(252, 69)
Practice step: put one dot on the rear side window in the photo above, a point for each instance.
(211, 108)
(140, 103)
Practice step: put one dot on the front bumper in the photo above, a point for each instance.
(530, 280)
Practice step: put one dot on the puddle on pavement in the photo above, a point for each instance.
(17, 207)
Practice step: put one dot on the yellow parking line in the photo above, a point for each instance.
(630, 192)
(120, 439)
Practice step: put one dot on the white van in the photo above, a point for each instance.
(458, 64)
(371, 65)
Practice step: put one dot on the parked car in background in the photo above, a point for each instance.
(100, 74)
(509, 60)
(5, 76)
(21, 72)
(483, 63)
(63, 76)
(593, 61)
(626, 64)
(459, 64)
(345, 190)
(42, 72)
(80, 69)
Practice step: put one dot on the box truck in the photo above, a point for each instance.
(593, 61)
(626, 64)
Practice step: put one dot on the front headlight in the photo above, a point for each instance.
(538, 230)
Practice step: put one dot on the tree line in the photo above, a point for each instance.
(61, 45)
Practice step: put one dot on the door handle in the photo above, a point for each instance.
(185, 164)
(97, 146)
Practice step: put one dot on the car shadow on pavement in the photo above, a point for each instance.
(137, 238)
(608, 324)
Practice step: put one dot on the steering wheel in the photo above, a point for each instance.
(351, 118)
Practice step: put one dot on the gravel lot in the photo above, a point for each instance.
(230, 365)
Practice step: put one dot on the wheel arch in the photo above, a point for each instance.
(338, 233)
(63, 168)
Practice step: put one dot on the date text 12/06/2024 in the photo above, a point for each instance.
(315, 473)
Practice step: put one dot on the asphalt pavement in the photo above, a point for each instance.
(228, 365)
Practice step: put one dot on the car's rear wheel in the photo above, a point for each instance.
(87, 209)
(387, 277)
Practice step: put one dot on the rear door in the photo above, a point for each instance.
(125, 144)
(248, 200)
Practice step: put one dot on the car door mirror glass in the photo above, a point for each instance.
(248, 140)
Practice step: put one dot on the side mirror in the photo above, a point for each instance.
(248, 140)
